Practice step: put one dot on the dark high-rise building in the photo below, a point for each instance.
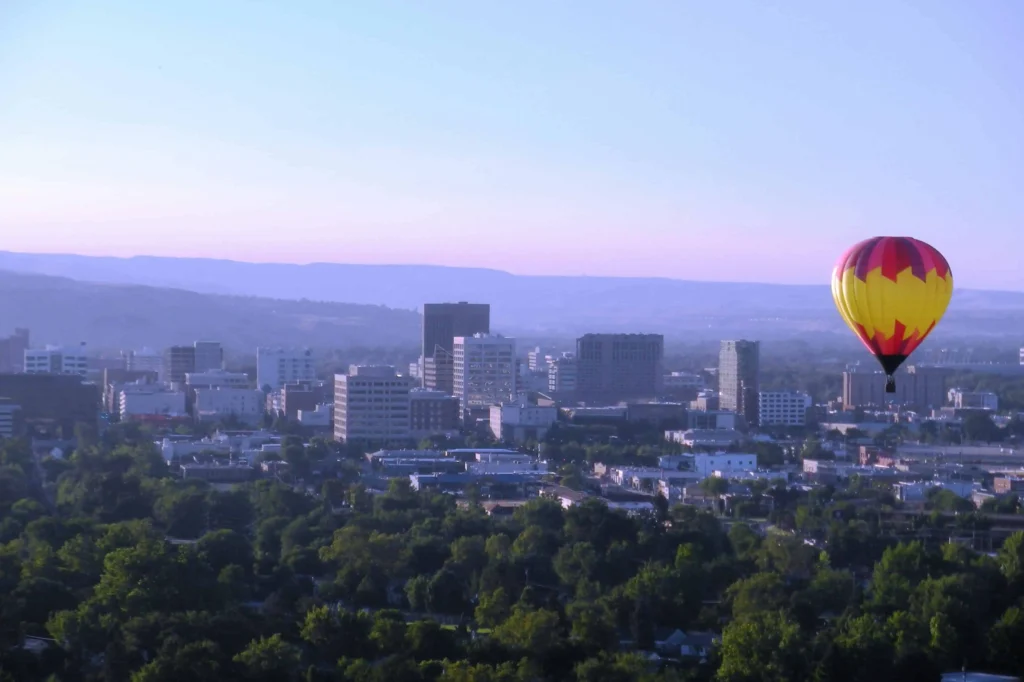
(916, 386)
(12, 351)
(51, 404)
(611, 368)
(208, 355)
(442, 322)
(739, 383)
(201, 356)
(179, 361)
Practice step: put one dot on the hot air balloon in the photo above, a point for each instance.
(892, 291)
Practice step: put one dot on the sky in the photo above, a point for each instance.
(742, 140)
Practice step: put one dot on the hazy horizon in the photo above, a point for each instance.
(696, 141)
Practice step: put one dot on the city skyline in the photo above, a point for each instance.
(767, 140)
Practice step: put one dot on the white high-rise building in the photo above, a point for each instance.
(783, 408)
(371, 405)
(485, 370)
(276, 367)
(56, 360)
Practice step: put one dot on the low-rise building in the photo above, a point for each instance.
(180, 448)
(320, 417)
(711, 420)
(917, 492)
(488, 463)
(141, 399)
(215, 404)
(671, 485)
(219, 473)
(216, 378)
(972, 400)
(520, 421)
(707, 464)
(1003, 485)
(57, 360)
(704, 438)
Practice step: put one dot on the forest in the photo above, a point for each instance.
(113, 568)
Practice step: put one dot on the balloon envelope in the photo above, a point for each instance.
(892, 291)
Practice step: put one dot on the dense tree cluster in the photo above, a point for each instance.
(113, 569)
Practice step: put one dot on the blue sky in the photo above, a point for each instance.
(734, 140)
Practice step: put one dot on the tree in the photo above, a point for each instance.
(336, 632)
(493, 609)
(757, 594)
(1004, 639)
(269, 659)
(427, 640)
(195, 662)
(978, 426)
(534, 631)
(767, 647)
(1011, 558)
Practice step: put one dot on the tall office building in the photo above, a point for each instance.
(12, 351)
(201, 356)
(371, 406)
(178, 361)
(916, 386)
(51, 404)
(209, 355)
(442, 323)
(484, 371)
(611, 368)
(739, 383)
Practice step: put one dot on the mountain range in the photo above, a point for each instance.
(152, 299)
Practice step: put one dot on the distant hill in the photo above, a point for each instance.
(523, 305)
(61, 310)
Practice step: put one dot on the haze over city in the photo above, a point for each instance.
(706, 141)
